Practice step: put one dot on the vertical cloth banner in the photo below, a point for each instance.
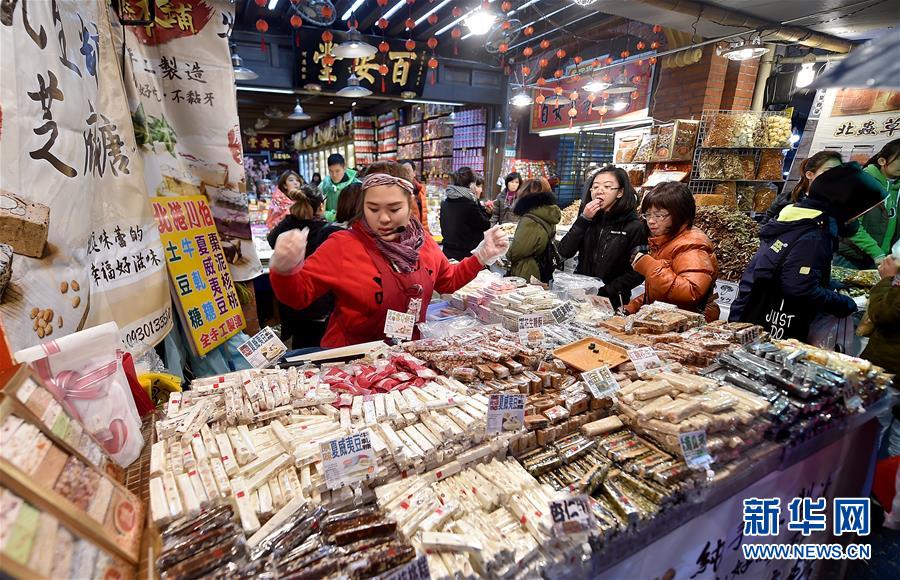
(180, 87)
(72, 198)
(202, 283)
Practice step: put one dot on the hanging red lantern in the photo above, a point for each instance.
(641, 45)
(456, 12)
(560, 54)
(410, 44)
(295, 2)
(573, 112)
(526, 70)
(609, 60)
(543, 62)
(606, 79)
(540, 99)
(505, 6)
(327, 36)
(506, 25)
(542, 82)
(262, 26)
(433, 19)
(383, 23)
(591, 97)
(382, 3)
(296, 21)
(260, 3)
(432, 43)
(657, 28)
(545, 44)
(636, 79)
(527, 51)
(384, 47)
(557, 73)
(456, 33)
(327, 11)
(433, 64)
(410, 23)
(574, 95)
(328, 59)
(634, 96)
(654, 45)
(383, 69)
(652, 60)
(503, 47)
(410, 2)
(529, 30)
(558, 90)
(624, 54)
(578, 60)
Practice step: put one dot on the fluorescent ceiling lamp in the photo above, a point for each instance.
(595, 86)
(265, 90)
(806, 75)
(352, 9)
(480, 21)
(457, 21)
(521, 99)
(427, 102)
(273, 4)
(524, 6)
(430, 12)
(353, 88)
(397, 6)
(299, 114)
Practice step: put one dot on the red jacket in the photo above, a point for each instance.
(344, 265)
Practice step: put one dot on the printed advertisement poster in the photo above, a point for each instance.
(857, 122)
(73, 206)
(180, 87)
(201, 280)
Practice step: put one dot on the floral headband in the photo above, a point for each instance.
(385, 179)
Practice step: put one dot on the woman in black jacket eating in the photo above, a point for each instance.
(605, 232)
(463, 220)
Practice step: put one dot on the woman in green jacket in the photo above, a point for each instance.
(878, 230)
(538, 216)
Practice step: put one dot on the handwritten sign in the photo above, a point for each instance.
(530, 326)
(693, 447)
(572, 516)
(644, 359)
(601, 382)
(727, 291)
(263, 350)
(563, 312)
(348, 460)
(415, 570)
(506, 412)
(399, 325)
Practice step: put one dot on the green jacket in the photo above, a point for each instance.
(877, 228)
(332, 190)
(530, 241)
(884, 311)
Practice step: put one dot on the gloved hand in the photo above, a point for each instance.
(638, 250)
(290, 251)
(850, 306)
(492, 247)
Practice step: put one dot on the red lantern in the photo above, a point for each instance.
(542, 82)
(557, 73)
(609, 60)
(327, 11)
(543, 62)
(573, 112)
(260, 3)
(262, 26)
(527, 51)
(560, 54)
(433, 19)
(540, 99)
(296, 21)
(545, 44)
(328, 59)
(456, 12)
(381, 3)
(654, 45)
(505, 6)
(657, 28)
(578, 60)
(383, 23)
(295, 2)
(591, 97)
(383, 69)
(606, 79)
(602, 110)
(410, 44)
(526, 70)
(529, 30)
(641, 45)
(432, 43)
(506, 25)
(432, 63)
(558, 90)
(634, 96)
(384, 47)
(652, 60)
(410, 2)
(574, 95)
(503, 47)
(327, 36)
(410, 23)
(636, 79)
(456, 33)
(624, 54)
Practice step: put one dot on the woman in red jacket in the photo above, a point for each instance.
(383, 262)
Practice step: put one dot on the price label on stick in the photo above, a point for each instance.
(602, 304)
(693, 447)
(414, 570)
(263, 350)
(399, 325)
(348, 460)
(506, 412)
(563, 312)
(530, 332)
(644, 358)
(572, 516)
(601, 382)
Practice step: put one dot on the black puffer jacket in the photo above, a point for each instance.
(463, 223)
(604, 245)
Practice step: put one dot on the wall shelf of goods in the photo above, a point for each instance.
(426, 139)
(386, 130)
(469, 139)
(662, 152)
(739, 160)
(364, 143)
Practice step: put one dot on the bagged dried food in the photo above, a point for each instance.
(745, 194)
(636, 177)
(770, 164)
(628, 147)
(711, 166)
(747, 131)
(732, 167)
(645, 151)
(763, 197)
(748, 164)
(721, 131)
(776, 131)
(664, 142)
(685, 140)
(727, 189)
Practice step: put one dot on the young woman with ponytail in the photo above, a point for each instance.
(810, 168)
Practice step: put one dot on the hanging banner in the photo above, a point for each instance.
(73, 205)
(857, 122)
(180, 87)
(201, 279)
(406, 70)
(546, 116)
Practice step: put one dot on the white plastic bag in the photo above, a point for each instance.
(84, 372)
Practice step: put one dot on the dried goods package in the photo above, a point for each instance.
(771, 162)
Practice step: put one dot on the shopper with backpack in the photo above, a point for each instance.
(533, 251)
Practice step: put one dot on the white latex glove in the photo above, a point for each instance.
(290, 251)
(492, 247)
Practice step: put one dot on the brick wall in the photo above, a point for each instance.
(712, 83)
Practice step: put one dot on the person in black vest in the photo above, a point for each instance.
(463, 220)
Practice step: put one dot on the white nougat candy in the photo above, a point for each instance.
(173, 498)
(159, 505)
(188, 494)
(249, 521)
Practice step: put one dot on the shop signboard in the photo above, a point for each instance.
(72, 197)
(180, 87)
(545, 117)
(202, 282)
(857, 122)
(264, 142)
(406, 69)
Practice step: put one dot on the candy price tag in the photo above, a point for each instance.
(563, 312)
(601, 382)
(602, 304)
(530, 331)
(506, 412)
(348, 460)
(415, 570)
(727, 292)
(264, 349)
(572, 516)
(644, 358)
(693, 447)
(399, 325)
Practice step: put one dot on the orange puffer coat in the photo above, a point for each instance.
(681, 270)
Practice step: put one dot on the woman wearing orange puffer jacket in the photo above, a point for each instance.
(679, 267)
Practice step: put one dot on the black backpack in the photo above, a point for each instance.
(550, 260)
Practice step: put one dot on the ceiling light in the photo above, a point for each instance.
(273, 4)
(621, 86)
(299, 114)
(451, 119)
(557, 101)
(743, 50)
(396, 7)
(353, 88)
(620, 104)
(330, 102)
(521, 99)
(499, 128)
(431, 11)
(352, 9)
(354, 46)
(241, 73)
(595, 86)
(806, 75)
(480, 21)
(353, 104)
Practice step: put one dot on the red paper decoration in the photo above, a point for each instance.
(296, 21)
(328, 59)
(456, 12)
(260, 3)
(384, 47)
(641, 45)
(609, 60)
(652, 60)
(526, 70)
(383, 23)
(557, 73)
(545, 44)
(558, 90)
(262, 25)
(560, 54)
(327, 36)
(657, 28)
(543, 62)
(456, 33)
(432, 43)
(654, 45)
(542, 82)
(591, 97)
(506, 25)
(540, 99)
(503, 47)
(505, 6)
(327, 11)
(578, 60)
(410, 44)
(383, 69)
(527, 51)
(529, 30)
(433, 19)
(410, 23)
(624, 54)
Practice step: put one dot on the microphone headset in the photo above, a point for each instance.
(397, 230)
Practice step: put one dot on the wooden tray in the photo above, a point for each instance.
(577, 354)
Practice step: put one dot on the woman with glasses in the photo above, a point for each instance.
(384, 262)
(678, 265)
(606, 230)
